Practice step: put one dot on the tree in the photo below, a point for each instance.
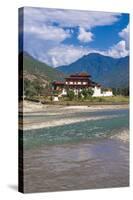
(87, 93)
(90, 92)
(38, 87)
(79, 95)
(30, 91)
(121, 91)
(84, 93)
(70, 94)
(32, 88)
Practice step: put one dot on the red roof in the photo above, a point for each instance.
(58, 83)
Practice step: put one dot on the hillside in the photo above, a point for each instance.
(36, 76)
(108, 71)
(35, 69)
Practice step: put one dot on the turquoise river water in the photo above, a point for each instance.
(80, 155)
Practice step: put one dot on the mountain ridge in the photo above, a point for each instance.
(108, 71)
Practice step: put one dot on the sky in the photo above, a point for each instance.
(60, 37)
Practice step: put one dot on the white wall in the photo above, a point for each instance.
(55, 98)
(107, 94)
(97, 92)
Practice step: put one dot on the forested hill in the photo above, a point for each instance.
(33, 67)
(108, 71)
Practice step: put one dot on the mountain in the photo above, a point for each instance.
(34, 69)
(108, 71)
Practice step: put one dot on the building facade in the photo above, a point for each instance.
(78, 82)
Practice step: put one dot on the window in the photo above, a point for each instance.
(84, 83)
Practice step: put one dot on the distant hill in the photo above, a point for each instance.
(36, 77)
(108, 71)
(35, 69)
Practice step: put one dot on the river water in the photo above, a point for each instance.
(80, 155)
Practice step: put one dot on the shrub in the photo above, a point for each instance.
(87, 93)
(79, 95)
(70, 95)
(33, 88)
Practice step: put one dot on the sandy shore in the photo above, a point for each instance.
(29, 107)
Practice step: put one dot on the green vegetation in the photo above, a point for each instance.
(87, 93)
(121, 91)
(83, 95)
(37, 77)
(32, 88)
(35, 67)
(115, 100)
(105, 70)
(70, 95)
(37, 87)
(94, 101)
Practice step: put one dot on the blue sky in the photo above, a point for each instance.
(58, 37)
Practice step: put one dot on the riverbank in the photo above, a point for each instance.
(29, 107)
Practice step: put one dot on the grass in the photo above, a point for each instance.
(89, 101)
(113, 99)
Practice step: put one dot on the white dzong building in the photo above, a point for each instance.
(78, 82)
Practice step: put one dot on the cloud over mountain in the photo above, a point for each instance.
(58, 36)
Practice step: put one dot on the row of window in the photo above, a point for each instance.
(76, 83)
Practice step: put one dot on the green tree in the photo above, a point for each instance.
(121, 91)
(30, 91)
(90, 92)
(70, 95)
(79, 95)
(84, 93)
(38, 87)
(87, 93)
(32, 88)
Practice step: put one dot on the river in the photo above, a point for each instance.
(80, 155)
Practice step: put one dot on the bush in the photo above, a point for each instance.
(87, 93)
(70, 95)
(121, 91)
(79, 95)
(32, 88)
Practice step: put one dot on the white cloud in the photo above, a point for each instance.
(121, 49)
(47, 32)
(63, 55)
(71, 18)
(85, 36)
(118, 50)
(49, 24)
(46, 29)
(124, 34)
(66, 54)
